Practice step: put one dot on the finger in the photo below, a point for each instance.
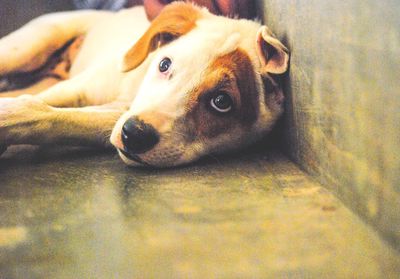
(154, 7)
(3, 148)
(230, 8)
(241, 8)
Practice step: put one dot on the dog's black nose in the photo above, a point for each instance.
(138, 137)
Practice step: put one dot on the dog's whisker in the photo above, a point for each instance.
(214, 158)
(179, 133)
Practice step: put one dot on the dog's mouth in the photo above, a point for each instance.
(134, 158)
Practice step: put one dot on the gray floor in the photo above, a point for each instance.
(83, 214)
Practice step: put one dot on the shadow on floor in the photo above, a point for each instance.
(78, 213)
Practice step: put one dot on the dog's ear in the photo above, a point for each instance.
(175, 20)
(273, 55)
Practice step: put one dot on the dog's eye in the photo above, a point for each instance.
(164, 65)
(222, 102)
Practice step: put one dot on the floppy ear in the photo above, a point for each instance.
(174, 20)
(273, 55)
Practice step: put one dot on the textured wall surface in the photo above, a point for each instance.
(343, 110)
(14, 13)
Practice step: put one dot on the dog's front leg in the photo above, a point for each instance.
(28, 48)
(28, 120)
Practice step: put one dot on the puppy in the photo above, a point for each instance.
(163, 93)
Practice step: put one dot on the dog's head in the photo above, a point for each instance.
(207, 88)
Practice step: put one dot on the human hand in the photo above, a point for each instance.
(230, 8)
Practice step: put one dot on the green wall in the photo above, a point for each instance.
(343, 99)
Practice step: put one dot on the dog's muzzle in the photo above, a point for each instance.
(138, 136)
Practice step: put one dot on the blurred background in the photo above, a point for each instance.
(15, 13)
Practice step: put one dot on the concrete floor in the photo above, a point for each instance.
(77, 213)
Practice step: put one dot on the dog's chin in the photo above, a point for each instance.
(132, 160)
(136, 161)
(158, 161)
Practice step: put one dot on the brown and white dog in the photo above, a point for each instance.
(163, 93)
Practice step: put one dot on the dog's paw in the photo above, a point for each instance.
(18, 117)
(19, 105)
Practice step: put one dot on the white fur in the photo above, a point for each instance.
(97, 79)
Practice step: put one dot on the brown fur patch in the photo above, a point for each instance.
(57, 67)
(156, 119)
(61, 70)
(273, 94)
(233, 74)
(175, 20)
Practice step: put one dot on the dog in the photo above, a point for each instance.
(163, 93)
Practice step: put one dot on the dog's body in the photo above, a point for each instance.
(186, 85)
